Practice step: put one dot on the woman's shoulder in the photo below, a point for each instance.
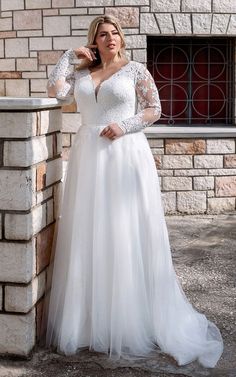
(136, 63)
(139, 70)
(80, 72)
(137, 66)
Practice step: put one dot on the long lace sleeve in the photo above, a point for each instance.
(148, 101)
(61, 79)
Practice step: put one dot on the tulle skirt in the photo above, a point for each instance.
(113, 285)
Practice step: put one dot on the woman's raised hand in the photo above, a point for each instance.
(86, 52)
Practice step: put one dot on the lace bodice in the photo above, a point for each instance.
(128, 97)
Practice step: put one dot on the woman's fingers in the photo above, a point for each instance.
(112, 131)
(88, 53)
(104, 131)
(109, 133)
(85, 52)
(91, 47)
(93, 55)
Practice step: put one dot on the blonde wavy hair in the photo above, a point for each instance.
(92, 34)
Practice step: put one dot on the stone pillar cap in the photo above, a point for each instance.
(30, 103)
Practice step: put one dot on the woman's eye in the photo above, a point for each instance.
(104, 34)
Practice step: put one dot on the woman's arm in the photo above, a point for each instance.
(149, 103)
(61, 79)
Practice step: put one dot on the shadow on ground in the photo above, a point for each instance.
(204, 255)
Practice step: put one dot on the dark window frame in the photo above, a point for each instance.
(216, 47)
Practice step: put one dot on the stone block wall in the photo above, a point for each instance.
(30, 174)
(197, 175)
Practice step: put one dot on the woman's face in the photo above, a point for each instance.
(108, 39)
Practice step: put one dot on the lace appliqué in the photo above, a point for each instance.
(148, 101)
(62, 79)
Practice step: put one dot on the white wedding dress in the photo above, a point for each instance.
(114, 288)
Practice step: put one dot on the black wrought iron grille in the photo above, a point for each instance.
(195, 79)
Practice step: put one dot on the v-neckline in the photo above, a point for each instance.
(97, 88)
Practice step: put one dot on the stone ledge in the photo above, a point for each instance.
(30, 103)
(189, 132)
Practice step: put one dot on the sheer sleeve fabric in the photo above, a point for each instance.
(62, 77)
(148, 101)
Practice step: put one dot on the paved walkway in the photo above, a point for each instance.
(204, 254)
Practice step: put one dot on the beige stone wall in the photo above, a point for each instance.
(196, 175)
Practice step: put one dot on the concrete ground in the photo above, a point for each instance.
(204, 255)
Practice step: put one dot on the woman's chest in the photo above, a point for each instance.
(119, 88)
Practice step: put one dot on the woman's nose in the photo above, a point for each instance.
(110, 36)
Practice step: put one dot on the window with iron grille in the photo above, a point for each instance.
(195, 79)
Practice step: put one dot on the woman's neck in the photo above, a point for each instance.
(109, 61)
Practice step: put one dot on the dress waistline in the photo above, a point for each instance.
(94, 125)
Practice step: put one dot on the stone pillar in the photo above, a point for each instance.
(30, 174)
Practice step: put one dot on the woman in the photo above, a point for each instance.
(114, 288)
